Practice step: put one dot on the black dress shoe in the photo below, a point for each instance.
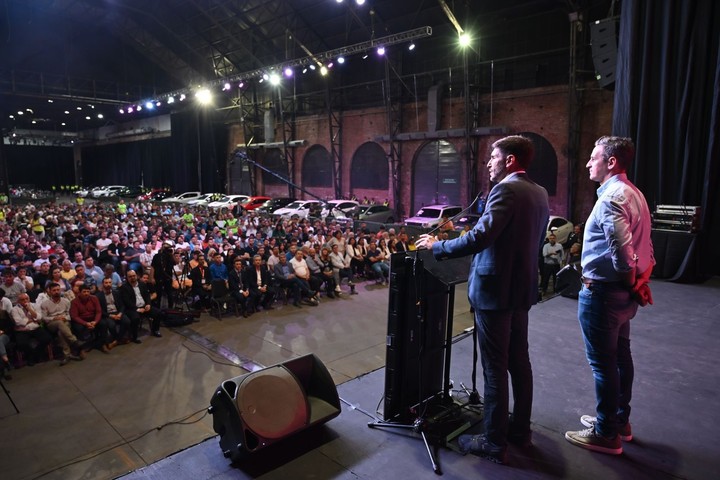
(156, 334)
(479, 445)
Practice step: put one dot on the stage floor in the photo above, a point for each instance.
(141, 409)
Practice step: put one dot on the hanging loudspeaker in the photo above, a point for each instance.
(604, 50)
(253, 411)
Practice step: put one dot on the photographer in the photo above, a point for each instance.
(161, 273)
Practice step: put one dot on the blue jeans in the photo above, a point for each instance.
(604, 311)
(502, 335)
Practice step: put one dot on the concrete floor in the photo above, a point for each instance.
(139, 408)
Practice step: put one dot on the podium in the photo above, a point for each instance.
(419, 335)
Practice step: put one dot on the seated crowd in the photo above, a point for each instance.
(86, 276)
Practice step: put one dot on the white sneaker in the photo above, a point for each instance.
(624, 431)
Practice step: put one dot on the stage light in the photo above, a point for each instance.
(464, 40)
(171, 100)
(364, 56)
(101, 116)
(139, 107)
(63, 124)
(50, 100)
(79, 108)
(241, 84)
(122, 111)
(266, 76)
(87, 117)
(261, 80)
(323, 70)
(158, 103)
(226, 87)
(12, 117)
(30, 110)
(34, 122)
(339, 1)
(182, 97)
(381, 51)
(312, 67)
(330, 65)
(411, 47)
(275, 79)
(20, 112)
(203, 96)
(304, 70)
(288, 72)
(67, 113)
(341, 60)
(360, 2)
(131, 109)
(149, 105)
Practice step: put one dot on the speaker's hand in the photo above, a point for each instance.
(425, 241)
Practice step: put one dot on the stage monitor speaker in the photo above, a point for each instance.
(255, 410)
(568, 282)
(604, 50)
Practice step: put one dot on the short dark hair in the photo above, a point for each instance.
(521, 147)
(84, 287)
(622, 148)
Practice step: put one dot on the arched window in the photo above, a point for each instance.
(274, 161)
(370, 167)
(436, 176)
(317, 167)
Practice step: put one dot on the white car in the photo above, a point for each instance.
(228, 201)
(107, 191)
(204, 199)
(297, 209)
(561, 227)
(84, 192)
(182, 198)
(431, 216)
(333, 206)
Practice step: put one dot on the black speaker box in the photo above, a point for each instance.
(255, 410)
(603, 40)
(568, 282)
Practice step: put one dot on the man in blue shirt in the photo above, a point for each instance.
(218, 269)
(617, 259)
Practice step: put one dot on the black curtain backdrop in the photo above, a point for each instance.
(198, 134)
(43, 167)
(130, 163)
(666, 98)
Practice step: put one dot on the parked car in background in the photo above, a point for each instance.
(253, 203)
(204, 199)
(467, 219)
(107, 191)
(376, 213)
(182, 197)
(297, 209)
(431, 216)
(345, 206)
(150, 193)
(84, 191)
(131, 191)
(159, 195)
(228, 201)
(274, 204)
(561, 227)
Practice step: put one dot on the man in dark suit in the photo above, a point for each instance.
(113, 310)
(259, 280)
(502, 286)
(136, 298)
(237, 284)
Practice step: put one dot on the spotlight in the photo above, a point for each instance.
(266, 76)
(101, 116)
(67, 113)
(360, 2)
(203, 96)
(12, 117)
(20, 112)
(79, 108)
(288, 72)
(330, 65)
(226, 87)
(339, 1)
(50, 100)
(138, 108)
(149, 105)
(261, 80)
(381, 51)
(122, 111)
(304, 70)
(131, 109)
(241, 84)
(341, 60)
(364, 56)
(182, 97)
(158, 103)
(323, 70)
(34, 122)
(63, 124)
(312, 67)
(87, 117)
(411, 47)
(275, 79)
(171, 100)
(91, 106)
(464, 40)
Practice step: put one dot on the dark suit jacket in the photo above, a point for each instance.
(127, 293)
(251, 277)
(506, 241)
(119, 304)
(237, 282)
